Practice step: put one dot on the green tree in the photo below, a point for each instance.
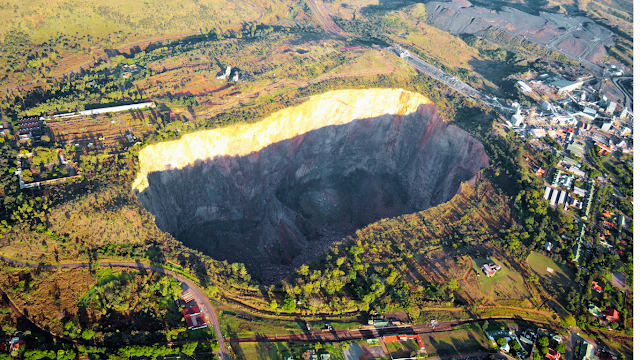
(561, 348)
(569, 320)
(88, 334)
(453, 284)
(515, 346)
(273, 305)
(536, 356)
(289, 304)
(543, 341)
(189, 348)
(501, 341)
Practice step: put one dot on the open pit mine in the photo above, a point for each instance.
(274, 194)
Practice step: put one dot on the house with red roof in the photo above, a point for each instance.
(194, 317)
(553, 355)
(612, 315)
(604, 149)
(596, 287)
(403, 337)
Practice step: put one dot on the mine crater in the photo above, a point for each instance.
(276, 193)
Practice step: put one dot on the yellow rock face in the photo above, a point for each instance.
(332, 108)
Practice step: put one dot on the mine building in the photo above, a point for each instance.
(29, 128)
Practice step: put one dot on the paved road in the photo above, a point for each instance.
(627, 97)
(162, 38)
(201, 298)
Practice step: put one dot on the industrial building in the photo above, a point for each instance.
(29, 128)
(524, 87)
(111, 109)
(566, 86)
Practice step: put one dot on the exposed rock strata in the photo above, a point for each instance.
(275, 193)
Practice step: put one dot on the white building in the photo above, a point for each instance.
(524, 87)
(118, 108)
(547, 192)
(554, 197)
(516, 119)
(538, 133)
(563, 194)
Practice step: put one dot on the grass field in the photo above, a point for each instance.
(540, 265)
(44, 19)
(276, 351)
(401, 349)
(454, 342)
(505, 285)
(561, 277)
(235, 325)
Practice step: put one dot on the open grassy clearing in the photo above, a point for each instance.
(561, 274)
(234, 324)
(454, 342)
(402, 349)
(506, 286)
(276, 351)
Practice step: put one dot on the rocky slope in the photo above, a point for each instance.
(273, 194)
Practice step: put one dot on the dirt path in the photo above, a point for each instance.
(126, 46)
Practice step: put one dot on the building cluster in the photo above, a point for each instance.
(12, 346)
(573, 112)
(563, 193)
(29, 128)
(510, 337)
(127, 70)
(192, 315)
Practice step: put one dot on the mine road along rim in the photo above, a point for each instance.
(337, 335)
(201, 298)
(126, 46)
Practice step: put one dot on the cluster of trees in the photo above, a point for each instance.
(67, 352)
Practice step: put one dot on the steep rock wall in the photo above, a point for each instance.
(275, 193)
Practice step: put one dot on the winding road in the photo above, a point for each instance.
(106, 55)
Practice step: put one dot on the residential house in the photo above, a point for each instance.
(194, 318)
(490, 269)
(553, 355)
(612, 315)
(596, 287)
